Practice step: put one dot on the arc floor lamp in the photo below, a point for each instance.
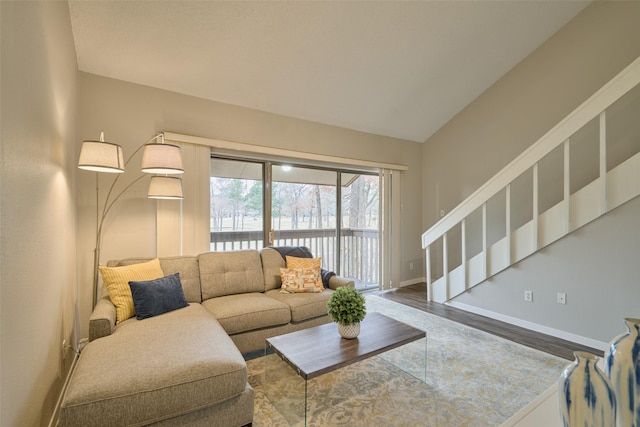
(160, 160)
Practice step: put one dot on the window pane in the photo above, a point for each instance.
(236, 205)
(359, 233)
(303, 210)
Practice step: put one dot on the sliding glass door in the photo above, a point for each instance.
(303, 210)
(359, 233)
(332, 212)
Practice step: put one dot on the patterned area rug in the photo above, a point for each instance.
(473, 379)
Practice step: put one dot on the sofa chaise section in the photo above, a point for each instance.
(102, 320)
(171, 368)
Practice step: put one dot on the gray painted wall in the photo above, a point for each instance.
(597, 266)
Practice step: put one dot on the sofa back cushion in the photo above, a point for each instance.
(229, 273)
(187, 266)
(272, 262)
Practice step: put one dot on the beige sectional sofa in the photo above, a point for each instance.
(186, 367)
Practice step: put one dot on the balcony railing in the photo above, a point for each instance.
(358, 258)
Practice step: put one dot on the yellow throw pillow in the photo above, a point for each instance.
(298, 280)
(295, 262)
(116, 280)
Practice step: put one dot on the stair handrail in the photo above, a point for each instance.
(622, 83)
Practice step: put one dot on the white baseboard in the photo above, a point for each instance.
(413, 281)
(532, 326)
(53, 422)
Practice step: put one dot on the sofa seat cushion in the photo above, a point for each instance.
(154, 369)
(247, 312)
(303, 306)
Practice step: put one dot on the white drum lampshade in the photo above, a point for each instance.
(161, 158)
(100, 156)
(165, 187)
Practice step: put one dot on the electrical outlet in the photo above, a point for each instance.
(562, 298)
(528, 296)
(441, 213)
(411, 266)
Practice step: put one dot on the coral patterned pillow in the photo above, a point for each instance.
(295, 262)
(297, 280)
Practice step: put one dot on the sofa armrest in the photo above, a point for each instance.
(336, 282)
(102, 319)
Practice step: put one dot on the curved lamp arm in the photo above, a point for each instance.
(109, 202)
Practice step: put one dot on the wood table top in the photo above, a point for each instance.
(319, 350)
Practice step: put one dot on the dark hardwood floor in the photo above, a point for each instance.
(416, 296)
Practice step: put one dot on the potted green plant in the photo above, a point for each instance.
(346, 307)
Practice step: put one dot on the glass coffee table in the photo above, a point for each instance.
(293, 360)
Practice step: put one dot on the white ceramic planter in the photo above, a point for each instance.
(349, 331)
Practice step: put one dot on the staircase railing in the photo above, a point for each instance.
(488, 232)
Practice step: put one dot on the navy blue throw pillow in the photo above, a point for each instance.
(154, 297)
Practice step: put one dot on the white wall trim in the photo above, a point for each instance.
(531, 326)
(413, 281)
(394, 222)
(53, 421)
(278, 152)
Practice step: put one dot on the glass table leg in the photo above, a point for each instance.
(411, 358)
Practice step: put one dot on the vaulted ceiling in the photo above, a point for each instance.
(393, 68)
